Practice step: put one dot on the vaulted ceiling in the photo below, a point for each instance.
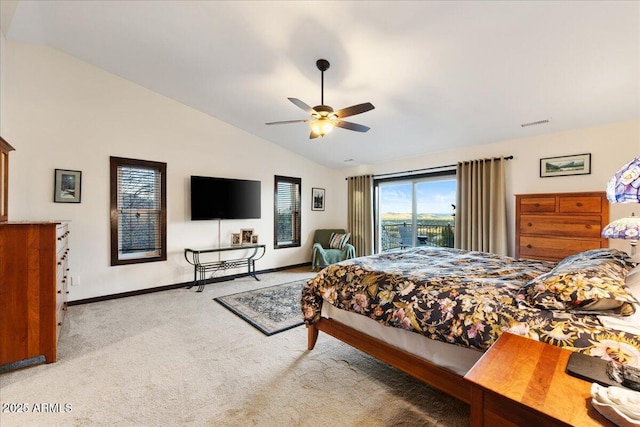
(441, 75)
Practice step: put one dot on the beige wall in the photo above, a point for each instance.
(610, 146)
(63, 113)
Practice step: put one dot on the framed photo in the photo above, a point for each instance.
(254, 239)
(67, 186)
(235, 239)
(317, 199)
(577, 164)
(246, 234)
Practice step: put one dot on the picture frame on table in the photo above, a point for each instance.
(254, 239)
(67, 187)
(576, 164)
(236, 239)
(317, 199)
(246, 234)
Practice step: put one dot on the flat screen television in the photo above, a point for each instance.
(224, 198)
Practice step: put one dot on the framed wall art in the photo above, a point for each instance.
(317, 199)
(67, 186)
(577, 164)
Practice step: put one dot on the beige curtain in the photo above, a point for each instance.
(481, 210)
(360, 213)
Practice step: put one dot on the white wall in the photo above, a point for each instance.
(63, 113)
(610, 146)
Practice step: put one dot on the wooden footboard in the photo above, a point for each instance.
(440, 378)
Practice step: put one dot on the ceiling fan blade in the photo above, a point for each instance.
(287, 121)
(302, 105)
(352, 126)
(313, 135)
(354, 109)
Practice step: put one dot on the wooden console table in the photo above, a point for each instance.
(202, 266)
(522, 382)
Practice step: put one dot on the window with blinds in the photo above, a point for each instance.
(287, 215)
(138, 211)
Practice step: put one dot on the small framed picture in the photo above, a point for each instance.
(235, 239)
(317, 199)
(67, 186)
(246, 234)
(254, 239)
(577, 164)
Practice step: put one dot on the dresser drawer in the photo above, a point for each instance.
(583, 204)
(560, 225)
(538, 204)
(554, 249)
(62, 237)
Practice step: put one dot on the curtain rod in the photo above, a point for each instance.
(408, 172)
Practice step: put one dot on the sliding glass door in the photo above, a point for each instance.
(415, 211)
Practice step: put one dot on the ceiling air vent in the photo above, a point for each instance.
(539, 122)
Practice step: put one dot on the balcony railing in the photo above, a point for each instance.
(400, 235)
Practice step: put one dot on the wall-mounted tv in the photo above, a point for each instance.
(224, 198)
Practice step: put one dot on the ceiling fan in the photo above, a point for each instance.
(323, 118)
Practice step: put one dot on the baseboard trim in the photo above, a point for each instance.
(180, 285)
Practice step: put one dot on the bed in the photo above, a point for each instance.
(432, 312)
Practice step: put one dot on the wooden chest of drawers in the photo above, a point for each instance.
(553, 226)
(33, 289)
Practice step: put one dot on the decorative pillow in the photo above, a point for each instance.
(337, 241)
(592, 280)
(632, 281)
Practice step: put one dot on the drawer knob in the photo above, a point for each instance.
(579, 204)
(529, 224)
(588, 226)
(529, 246)
(537, 205)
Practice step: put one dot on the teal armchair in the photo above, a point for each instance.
(323, 255)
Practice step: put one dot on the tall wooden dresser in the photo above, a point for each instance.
(33, 289)
(552, 226)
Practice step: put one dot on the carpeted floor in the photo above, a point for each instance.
(177, 358)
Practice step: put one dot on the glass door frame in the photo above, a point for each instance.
(413, 179)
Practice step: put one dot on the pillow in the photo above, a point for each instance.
(632, 281)
(592, 280)
(337, 241)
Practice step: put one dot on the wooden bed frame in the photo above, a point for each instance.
(432, 374)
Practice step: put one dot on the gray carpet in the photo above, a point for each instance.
(176, 358)
(270, 310)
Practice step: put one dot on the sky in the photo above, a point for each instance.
(432, 196)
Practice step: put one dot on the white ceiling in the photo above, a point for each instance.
(441, 75)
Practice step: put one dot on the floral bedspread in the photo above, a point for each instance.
(460, 297)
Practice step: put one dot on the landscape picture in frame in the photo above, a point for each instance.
(317, 199)
(577, 164)
(67, 186)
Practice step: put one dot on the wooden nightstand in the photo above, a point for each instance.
(521, 382)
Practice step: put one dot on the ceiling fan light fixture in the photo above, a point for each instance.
(322, 126)
(323, 118)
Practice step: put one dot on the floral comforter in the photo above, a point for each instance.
(460, 297)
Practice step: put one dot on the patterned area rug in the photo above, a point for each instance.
(270, 310)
